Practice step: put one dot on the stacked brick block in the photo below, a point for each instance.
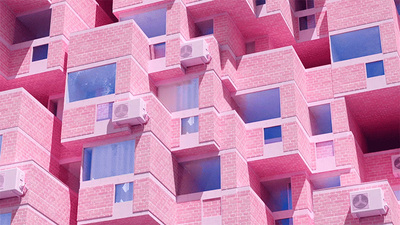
(302, 163)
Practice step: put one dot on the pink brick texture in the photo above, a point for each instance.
(196, 159)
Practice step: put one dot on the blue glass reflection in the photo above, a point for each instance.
(90, 83)
(152, 23)
(190, 125)
(124, 192)
(272, 134)
(108, 160)
(356, 44)
(320, 116)
(375, 69)
(40, 52)
(5, 219)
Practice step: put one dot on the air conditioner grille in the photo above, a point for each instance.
(121, 111)
(360, 201)
(186, 51)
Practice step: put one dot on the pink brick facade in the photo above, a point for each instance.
(274, 129)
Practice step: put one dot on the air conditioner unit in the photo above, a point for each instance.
(130, 112)
(396, 165)
(12, 183)
(194, 53)
(367, 203)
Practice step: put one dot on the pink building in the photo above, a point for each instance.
(199, 112)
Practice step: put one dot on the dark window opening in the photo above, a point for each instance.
(320, 118)
(204, 28)
(260, 2)
(250, 47)
(326, 182)
(259, 106)
(157, 51)
(32, 26)
(277, 194)
(40, 52)
(287, 221)
(304, 4)
(199, 175)
(307, 22)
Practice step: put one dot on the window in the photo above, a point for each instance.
(250, 47)
(1, 141)
(288, 221)
(190, 125)
(320, 118)
(5, 219)
(32, 26)
(326, 182)
(258, 106)
(304, 4)
(356, 44)
(307, 22)
(397, 194)
(397, 3)
(40, 52)
(108, 160)
(104, 111)
(272, 135)
(375, 69)
(91, 83)
(204, 27)
(278, 194)
(124, 192)
(180, 96)
(157, 51)
(260, 2)
(199, 175)
(152, 23)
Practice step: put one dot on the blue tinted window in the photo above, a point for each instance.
(90, 83)
(190, 125)
(272, 134)
(260, 2)
(5, 219)
(1, 140)
(40, 52)
(320, 117)
(288, 221)
(258, 106)
(108, 160)
(152, 23)
(356, 44)
(397, 6)
(124, 192)
(159, 50)
(375, 69)
(200, 175)
(205, 27)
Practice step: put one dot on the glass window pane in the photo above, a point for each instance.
(152, 23)
(1, 141)
(375, 69)
(272, 134)
(181, 96)
(356, 44)
(159, 50)
(260, 2)
(40, 52)
(303, 23)
(320, 118)
(104, 111)
(90, 83)
(109, 160)
(205, 27)
(288, 221)
(5, 219)
(200, 175)
(124, 192)
(311, 21)
(190, 125)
